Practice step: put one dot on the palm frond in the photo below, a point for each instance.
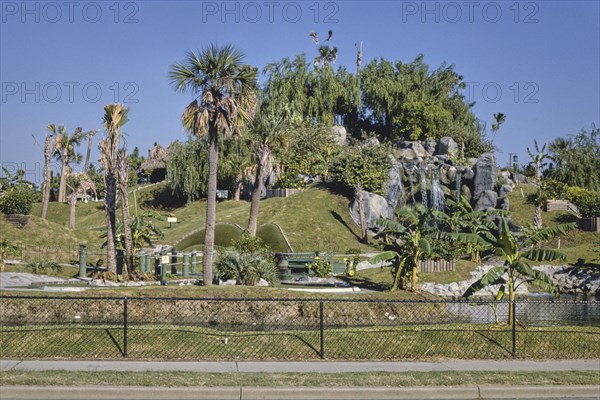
(543, 255)
(549, 233)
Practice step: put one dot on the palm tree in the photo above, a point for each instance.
(64, 150)
(409, 239)
(327, 56)
(267, 134)
(514, 251)
(90, 138)
(122, 172)
(224, 93)
(47, 185)
(115, 116)
(499, 119)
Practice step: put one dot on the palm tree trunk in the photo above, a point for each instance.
(89, 151)
(211, 203)
(47, 185)
(122, 167)
(358, 195)
(263, 157)
(72, 209)
(110, 204)
(62, 188)
(238, 188)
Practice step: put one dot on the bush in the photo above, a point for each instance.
(587, 201)
(44, 267)
(554, 189)
(320, 267)
(18, 199)
(248, 263)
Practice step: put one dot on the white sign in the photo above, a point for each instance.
(165, 259)
(171, 219)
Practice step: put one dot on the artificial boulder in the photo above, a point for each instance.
(376, 206)
(447, 147)
(393, 185)
(485, 175)
(487, 201)
(411, 151)
(339, 135)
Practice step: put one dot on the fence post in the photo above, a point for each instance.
(514, 330)
(174, 262)
(321, 329)
(186, 264)
(82, 261)
(125, 301)
(194, 261)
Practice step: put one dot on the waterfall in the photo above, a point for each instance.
(458, 184)
(423, 187)
(438, 201)
(393, 193)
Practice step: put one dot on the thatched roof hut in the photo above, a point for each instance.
(155, 166)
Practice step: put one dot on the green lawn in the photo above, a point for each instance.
(364, 379)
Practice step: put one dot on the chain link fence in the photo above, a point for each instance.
(286, 329)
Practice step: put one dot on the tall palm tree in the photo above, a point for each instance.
(224, 91)
(267, 134)
(47, 185)
(122, 172)
(90, 138)
(64, 150)
(115, 116)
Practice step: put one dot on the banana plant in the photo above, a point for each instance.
(408, 239)
(516, 252)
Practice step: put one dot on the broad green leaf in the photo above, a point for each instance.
(384, 256)
(501, 292)
(544, 255)
(549, 233)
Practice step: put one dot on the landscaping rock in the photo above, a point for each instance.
(229, 282)
(339, 134)
(485, 174)
(394, 184)
(376, 206)
(261, 282)
(447, 146)
(487, 201)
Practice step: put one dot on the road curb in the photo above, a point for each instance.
(298, 393)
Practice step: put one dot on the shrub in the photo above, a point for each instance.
(320, 267)
(248, 263)
(587, 201)
(554, 189)
(18, 199)
(44, 267)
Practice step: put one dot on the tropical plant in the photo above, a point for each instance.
(143, 229)
(463, 218)
(44, 267)
(249, 262)
(320, 267)
(537, 160)
(6, 247)
(538, 199)
(407, 240)
(115, 116)
(224, 91)
(16, 195)
(514, 250)
(90, 137)
(123, 184)
(266, 135)
(64, 150)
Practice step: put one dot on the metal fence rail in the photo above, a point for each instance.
(294, 329)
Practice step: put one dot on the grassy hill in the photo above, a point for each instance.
(315, 220)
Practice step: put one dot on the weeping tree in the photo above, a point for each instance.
(224, 91)
(238, 160)
(47, 185)
(115, 116)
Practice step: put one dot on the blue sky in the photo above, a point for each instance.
(61, 62)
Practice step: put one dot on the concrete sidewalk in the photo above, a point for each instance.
(302, 366)
(487, 392)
